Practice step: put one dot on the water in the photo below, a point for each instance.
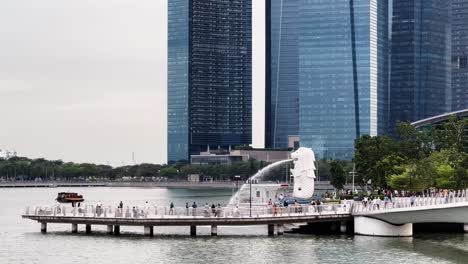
(257, 176)
(21, 241)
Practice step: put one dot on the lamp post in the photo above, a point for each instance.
(250, 200)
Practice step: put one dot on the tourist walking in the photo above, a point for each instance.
(412, 199)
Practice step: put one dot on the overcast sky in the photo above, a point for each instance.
(85, 80)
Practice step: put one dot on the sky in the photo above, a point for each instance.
(86, 80)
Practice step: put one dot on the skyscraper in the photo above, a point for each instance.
(343, 80)
(459, 55)
(420, 67)
(209, 75)
(282, 72)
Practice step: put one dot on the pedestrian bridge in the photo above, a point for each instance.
(398, 219)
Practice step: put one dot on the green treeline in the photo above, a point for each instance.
(20, 168)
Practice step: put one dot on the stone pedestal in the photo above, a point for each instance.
(373, 227)
(43, 227)
(280, 229)
(74, 228)
(149, 231)
(110, 229)
(116, 230)
(214, 230)
(88, 229)
(271, 230)
(193, 231)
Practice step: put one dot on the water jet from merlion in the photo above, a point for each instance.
(303, 175)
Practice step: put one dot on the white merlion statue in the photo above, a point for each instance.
(303, 173)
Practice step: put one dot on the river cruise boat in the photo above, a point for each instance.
(69, 197)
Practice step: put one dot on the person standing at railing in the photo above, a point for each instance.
(364, 201)
(135, 212)
(146, 209)
(218, 211)
(412, 199)
(213, 209)
(186, 209)
(194, 209)
(171, 208)
(386, 200)
(275, 208)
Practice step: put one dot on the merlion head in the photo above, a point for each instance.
(304, 158)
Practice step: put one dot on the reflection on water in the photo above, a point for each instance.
(21, 241)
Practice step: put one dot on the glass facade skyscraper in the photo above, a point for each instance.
(343, 73)
(459, 55)
(282, 72)
(420, 64)
(209, 75)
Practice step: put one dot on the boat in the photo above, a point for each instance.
(69, 197)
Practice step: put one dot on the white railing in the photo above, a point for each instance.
(432, 199)
(182, 212)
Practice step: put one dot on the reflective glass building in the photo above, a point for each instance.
(282, 72)
(459, 55)
(420, 63)
(209, 75)
(343, 73)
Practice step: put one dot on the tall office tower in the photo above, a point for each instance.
(343, 73)
(459, 55)
(282, 72)
(209, 76)
(420, 78)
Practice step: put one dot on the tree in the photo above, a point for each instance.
(369, 151)
(337, 175)
(169, 172)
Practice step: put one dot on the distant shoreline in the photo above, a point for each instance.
(321, 186)
(195, 185)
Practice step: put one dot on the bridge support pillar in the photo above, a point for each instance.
(116, 230)
(374, 227)
(271, 230)
(343, 228)
(110, 229)
(148, 231)
(214, 230)
(43, 227)
(88, 229)
(193, 231)
(465, 227)
(74, 228)
(280, 229)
